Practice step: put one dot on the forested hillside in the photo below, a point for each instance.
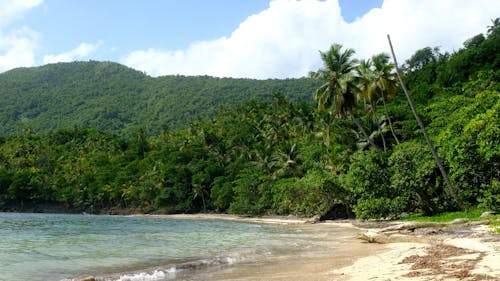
(115, 99)
(356, 151)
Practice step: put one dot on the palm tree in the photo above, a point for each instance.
(386, 83)
(201, 191)
(285, 160)
(369, 91)
(337, 94)
(493, 28)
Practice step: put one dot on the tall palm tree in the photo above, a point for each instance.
(386, 83)
(369, 91)
(494, 27)
(337, 94)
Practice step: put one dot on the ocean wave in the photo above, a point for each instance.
(168, 273)
(144, 276)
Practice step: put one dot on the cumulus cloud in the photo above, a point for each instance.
(12, 9)
(82, 51)
(283, 40)
(17, 48)
(17, 45)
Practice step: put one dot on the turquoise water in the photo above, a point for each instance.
(57, 247)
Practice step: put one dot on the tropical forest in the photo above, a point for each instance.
(358, 137)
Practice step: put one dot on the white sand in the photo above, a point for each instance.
(381, 266)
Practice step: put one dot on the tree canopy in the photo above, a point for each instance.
(271, 154)
(116, 99)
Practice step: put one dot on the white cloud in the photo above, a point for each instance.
(283, 40)
(11, 9)
(83, 50)
(17, 48)
(17, 45)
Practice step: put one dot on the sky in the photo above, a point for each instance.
(230, 38)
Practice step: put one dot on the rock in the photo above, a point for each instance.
(487, 214)
(89, 278)
(372, 236)
(314, 219)
(430, 231)
(459, 221)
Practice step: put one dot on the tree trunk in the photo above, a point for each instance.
(378, 126)
(451, 188)
(389, 119)
(203, 200)
(363, 132)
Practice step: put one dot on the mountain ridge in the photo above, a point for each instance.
(117, 99)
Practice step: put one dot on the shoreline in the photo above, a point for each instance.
(460, 253)
(452, 253)
(228, 217)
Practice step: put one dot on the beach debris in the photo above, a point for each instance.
(411, 226)
(313, 220)
(382, 238)
(459, 221)
(394, 233)
(487, 214)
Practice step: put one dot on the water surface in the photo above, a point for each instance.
(56, 247)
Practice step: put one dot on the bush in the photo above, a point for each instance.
(368, 180)
(416, 178)
(491, 196)
(310, 195)
(382, 207)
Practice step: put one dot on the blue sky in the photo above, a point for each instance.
(127, 25)
(238, 38)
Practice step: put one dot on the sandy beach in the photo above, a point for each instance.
(462, 253)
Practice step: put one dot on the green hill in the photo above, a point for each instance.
(116, 99)
(268, 156)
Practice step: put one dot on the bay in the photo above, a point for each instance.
(62, 247)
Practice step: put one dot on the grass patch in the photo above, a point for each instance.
(472, 214)
(495, 227)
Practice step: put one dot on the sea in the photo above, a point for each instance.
(58, 247)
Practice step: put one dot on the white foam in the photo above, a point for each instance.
(230, 260)
(143, 276)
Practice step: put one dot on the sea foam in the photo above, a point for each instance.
(143, 276)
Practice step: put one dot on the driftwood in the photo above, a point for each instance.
(411, 226)
(391, 234)
(382, 238)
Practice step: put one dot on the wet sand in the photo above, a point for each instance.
(471, 255)
(339, 250)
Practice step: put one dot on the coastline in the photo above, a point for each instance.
(227, 217)
(461, 253)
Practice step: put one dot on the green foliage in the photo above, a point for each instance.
(414, 175)
(368, 180)
(160, 144)
(471, 214)
(113, 98)
(495, 227)
(490, 196)
(307, 196)
(469, 141)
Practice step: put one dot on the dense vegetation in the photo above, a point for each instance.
(115, 99)
(357, 151)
